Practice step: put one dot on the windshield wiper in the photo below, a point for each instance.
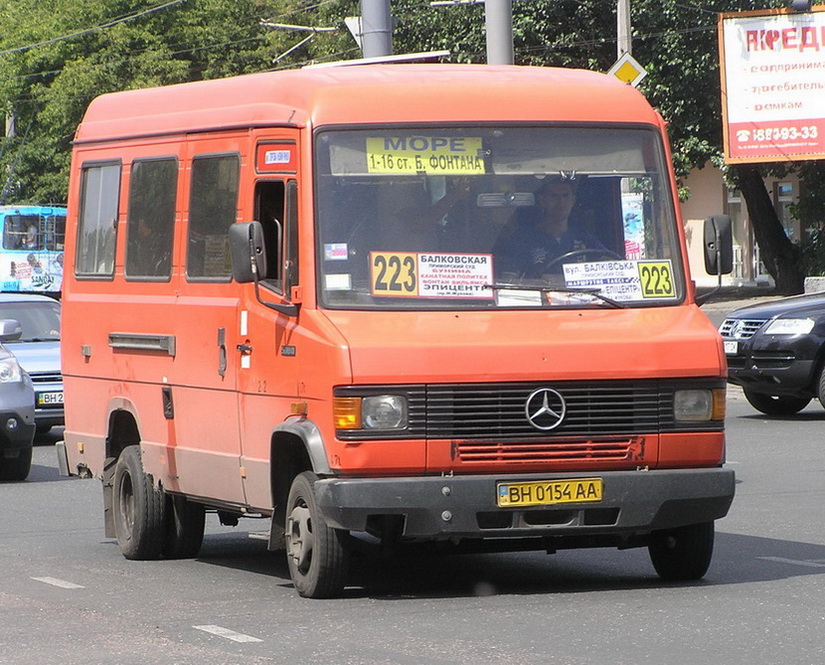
(596, 293)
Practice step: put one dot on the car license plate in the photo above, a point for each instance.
(49, 399)
(549, 492)
(731, 348)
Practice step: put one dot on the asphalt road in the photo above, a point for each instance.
(67, 596)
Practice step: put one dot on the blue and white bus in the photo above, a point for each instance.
(31, 256)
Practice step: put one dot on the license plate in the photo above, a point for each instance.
(731, 348)
(49, 399)
(549, 492)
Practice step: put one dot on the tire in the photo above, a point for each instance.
(185, 521)
(16, 468)
(42, 429)
(139, 509)
(682, 554)
(317, 554)
(820, 392)
(776, 405)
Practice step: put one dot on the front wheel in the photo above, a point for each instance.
(776, 405)
(682, 554)
(317, 554)
(139, 509)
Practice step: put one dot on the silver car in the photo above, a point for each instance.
(38, 351)
(16, 411)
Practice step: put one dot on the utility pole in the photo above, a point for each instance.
(624, 39)
(376, 28)
(498, 21)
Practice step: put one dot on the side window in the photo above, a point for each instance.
(151, 222)
(213, 204)
(269, 211)
(97, 226)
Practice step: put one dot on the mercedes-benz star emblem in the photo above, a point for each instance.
(545, 409)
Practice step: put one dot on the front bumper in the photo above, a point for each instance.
(434, 508)
(774, 369)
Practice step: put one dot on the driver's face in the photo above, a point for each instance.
(556, 201)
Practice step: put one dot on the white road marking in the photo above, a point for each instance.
(796, 562)
(228, 634)
(63, 584)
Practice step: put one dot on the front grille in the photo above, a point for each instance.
(46, 377)
(740, 328)
(496, 412)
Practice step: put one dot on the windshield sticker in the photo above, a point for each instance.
(337, 282)
(518, 298)
(623, 280)
(431, 275)
(433, 155)
(336, 251)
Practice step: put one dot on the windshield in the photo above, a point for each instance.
(40, 320)
(495, 217)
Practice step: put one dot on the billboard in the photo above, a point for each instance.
(772, 65)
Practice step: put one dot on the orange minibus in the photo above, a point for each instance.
(390, 304)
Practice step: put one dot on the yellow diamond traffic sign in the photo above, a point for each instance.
(626, 69)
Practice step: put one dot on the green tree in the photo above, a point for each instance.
(57, 55)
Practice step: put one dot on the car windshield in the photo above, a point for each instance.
(40, 320)
(495, 217)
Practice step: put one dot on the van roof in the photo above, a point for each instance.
(363, 94)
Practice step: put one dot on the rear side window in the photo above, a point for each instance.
(96, 232)
(150, 226)
(213, 203)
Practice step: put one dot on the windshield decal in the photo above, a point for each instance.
(432, 155)
(431, 275)
(623, 280)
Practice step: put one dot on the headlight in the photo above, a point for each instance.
(10, 371)
(373, 412)
(790, 327)
(699, 405)
(384, 412)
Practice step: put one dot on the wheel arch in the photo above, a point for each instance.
(122, 431)
(296, 446)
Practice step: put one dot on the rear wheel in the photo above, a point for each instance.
(776, 405)
(684, 553)
(185, 523)
(317, 554)
(16, 468)
(139, 509)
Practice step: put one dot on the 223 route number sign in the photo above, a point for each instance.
(431, 275)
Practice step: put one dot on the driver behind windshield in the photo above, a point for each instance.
(540, 235)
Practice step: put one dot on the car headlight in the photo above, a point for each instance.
(699, 405)
(790, 327)
(10, 371)
(374, 412)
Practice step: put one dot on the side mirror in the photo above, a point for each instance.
(10, 330)
(246, 245)
(248, 252)
(718, 245)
